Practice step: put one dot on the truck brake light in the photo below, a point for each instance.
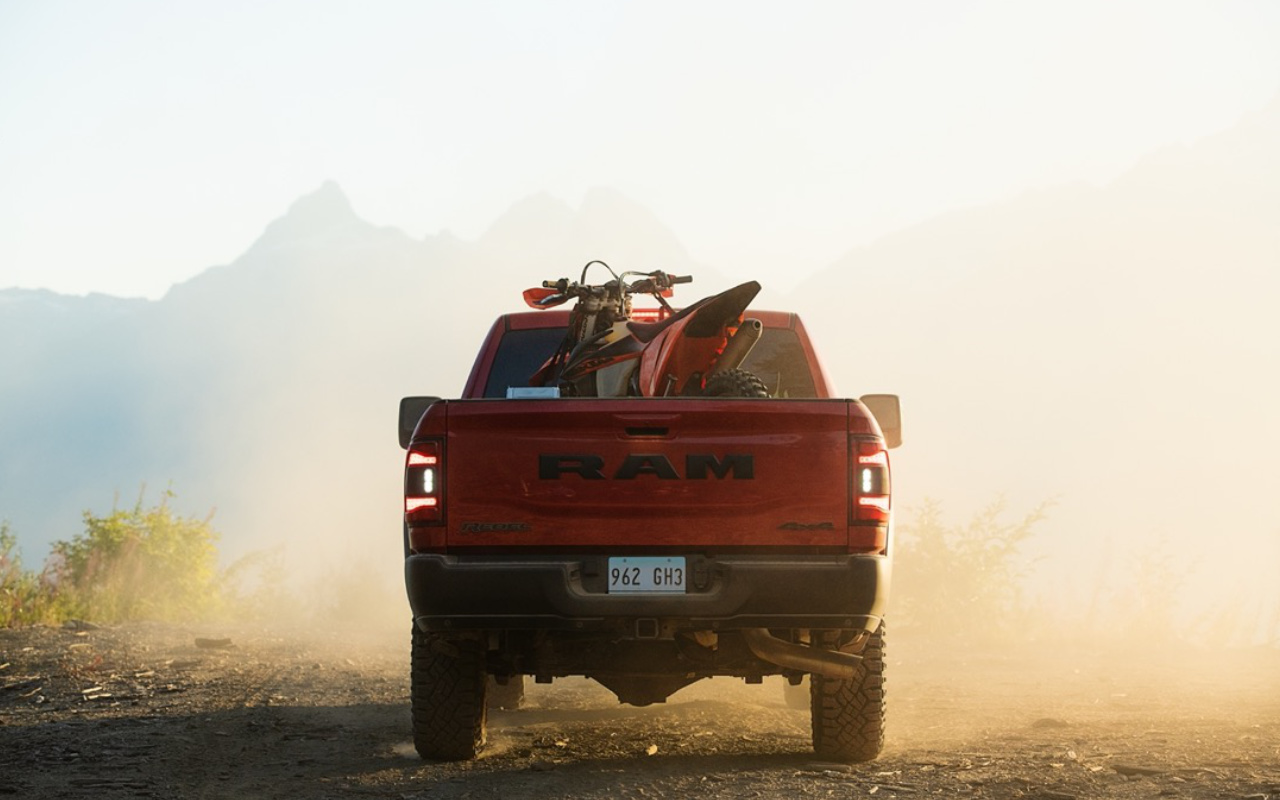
(423, 484)
(871, 481)
(417, 459)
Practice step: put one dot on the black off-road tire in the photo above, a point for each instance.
(508, 697)
(848, 715)
(735, 383)
(447, 689)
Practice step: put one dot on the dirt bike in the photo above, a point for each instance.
(696, 351)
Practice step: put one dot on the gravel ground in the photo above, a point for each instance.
(149, 710)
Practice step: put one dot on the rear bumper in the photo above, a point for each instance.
(508, 592)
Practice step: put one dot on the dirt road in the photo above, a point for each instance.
(172, 712)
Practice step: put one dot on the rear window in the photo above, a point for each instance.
(778, 359)
(520, 354)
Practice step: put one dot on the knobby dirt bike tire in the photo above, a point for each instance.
(735, 383)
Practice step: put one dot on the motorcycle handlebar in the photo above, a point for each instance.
(654, 282)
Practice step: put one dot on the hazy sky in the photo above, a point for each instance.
(142, 142)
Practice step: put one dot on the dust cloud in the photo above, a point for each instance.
(1101, 353)
(1108, 351)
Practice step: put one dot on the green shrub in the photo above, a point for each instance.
(26, 598)
(139, 564)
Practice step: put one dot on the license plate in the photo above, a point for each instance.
(647, 575)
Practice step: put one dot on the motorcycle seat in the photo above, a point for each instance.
(646, 332)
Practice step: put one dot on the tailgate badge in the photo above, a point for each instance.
(494, 527)
(801, 526)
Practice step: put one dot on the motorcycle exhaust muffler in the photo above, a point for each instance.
(739, 345)
(828, 663)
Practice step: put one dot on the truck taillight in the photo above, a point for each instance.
(870, 481)
(423, 487)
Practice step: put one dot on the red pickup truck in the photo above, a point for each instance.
(647, 543)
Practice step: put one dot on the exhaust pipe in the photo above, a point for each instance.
(827, 663)
(739, 346)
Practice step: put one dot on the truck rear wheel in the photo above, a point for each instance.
(848, 715)
(735, 383)
(447, 689)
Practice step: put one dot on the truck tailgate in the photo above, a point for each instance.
(631, 475)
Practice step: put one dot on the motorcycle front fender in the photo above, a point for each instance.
(689, 346)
